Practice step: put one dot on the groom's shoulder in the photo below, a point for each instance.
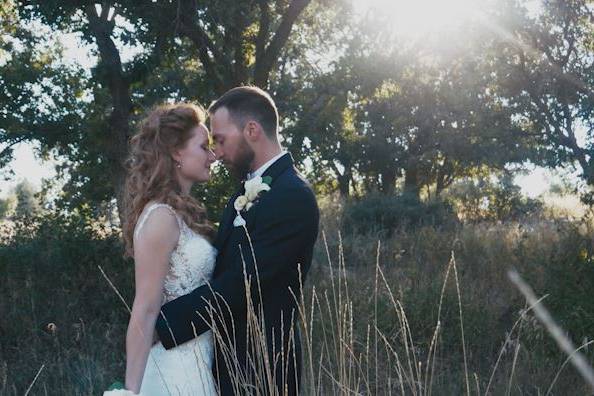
(293, 180)
(293, 189)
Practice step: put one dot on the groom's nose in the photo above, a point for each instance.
(218, 153)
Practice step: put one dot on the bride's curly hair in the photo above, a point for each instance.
(151, 169)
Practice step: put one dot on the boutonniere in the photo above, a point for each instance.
(244, 202)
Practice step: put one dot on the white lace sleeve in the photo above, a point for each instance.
(148, 211)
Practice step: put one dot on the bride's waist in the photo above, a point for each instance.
(170, 293)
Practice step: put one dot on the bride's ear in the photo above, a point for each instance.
(176, 156)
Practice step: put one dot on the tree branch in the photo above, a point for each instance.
(142, 69)
(240, 73)
(208, 54)
(101, 29)
(263, 29)
(265, 63)
(8, 148)
(110, 67)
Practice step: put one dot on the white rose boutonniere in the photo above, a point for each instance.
(253, 188)
(240, 202)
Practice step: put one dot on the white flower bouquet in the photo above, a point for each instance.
(117, 389)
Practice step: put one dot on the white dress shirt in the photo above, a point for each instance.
(260, 171)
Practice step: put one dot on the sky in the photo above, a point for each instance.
(26, 166)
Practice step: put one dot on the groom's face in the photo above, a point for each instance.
(230, 145)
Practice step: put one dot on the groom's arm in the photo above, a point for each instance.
(286, 228)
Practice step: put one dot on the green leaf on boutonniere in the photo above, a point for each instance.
(115, 386)
(267, 180)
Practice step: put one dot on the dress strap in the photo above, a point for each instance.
(147, 213)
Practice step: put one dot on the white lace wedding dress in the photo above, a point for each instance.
(185, 369)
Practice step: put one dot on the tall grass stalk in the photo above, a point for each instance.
(375, 318)
(34, 379)
(565, 344)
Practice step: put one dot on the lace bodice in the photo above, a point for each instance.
(191, 262)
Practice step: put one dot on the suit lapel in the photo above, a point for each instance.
(226, 226)
(279, 166)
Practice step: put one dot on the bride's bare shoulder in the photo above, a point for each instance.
(157, 222)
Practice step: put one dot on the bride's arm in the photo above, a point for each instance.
(152, 249)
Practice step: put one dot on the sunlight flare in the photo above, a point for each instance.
(416, 18)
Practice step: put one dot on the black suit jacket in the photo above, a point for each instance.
(282, 228)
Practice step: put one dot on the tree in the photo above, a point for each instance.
(39, 95)
(185, 50)
(27, 203)
(435, 123)
(6, 206)
(422, 112)
(547, 70)
(238, 42)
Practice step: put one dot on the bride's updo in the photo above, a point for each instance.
(151, 169)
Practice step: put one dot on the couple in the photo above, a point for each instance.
(223, 304)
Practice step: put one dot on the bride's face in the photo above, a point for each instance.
(195, 158)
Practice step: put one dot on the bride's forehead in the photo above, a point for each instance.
(200, 133)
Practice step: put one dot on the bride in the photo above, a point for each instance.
(168, 235)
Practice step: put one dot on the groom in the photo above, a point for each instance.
(265, 246)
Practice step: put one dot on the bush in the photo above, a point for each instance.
(379, 212)
(49, 274)
(486, 199)
(56, 308)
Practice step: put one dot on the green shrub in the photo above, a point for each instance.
(49, 275)
(486, 199)
(379, 212)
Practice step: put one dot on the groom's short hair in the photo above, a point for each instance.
(248, 102)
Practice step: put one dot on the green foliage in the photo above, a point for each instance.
(49, 274)
(490, 198)
(414, 263)
(49, 277)
(216, 192)
(6, 207)
(569, 281)
(426, 111)
(380, 212)
(27, 202)
(546, 74)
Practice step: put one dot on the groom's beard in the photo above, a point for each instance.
(240, 166)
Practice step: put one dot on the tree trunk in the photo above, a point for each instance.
(112, 75)
(267, 56)
(411, 182)
(117, 151)
(344, 184)
(389, 181)
(444, 177)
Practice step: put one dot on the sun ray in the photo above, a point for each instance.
(420, 17)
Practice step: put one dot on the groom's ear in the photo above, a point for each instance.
(253, 131)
